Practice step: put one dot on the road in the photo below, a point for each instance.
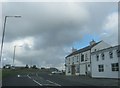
(39, 79)
(47, 79)
(23, 80)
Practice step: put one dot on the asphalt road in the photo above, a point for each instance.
(40, 79)
(47, 79)
(23, 80)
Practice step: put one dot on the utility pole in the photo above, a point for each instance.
(3, 35)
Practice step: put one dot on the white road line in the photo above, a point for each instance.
(28, 76)
(34, 80)
(18, 75)
(53, 83)
(37, 82)
(50, 74)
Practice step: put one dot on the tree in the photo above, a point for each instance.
(34, 66)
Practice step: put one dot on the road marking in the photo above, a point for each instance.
(53, 83)
(34, 80)
(37, 82)
(18, 75)
(50, 74)
(28, 76)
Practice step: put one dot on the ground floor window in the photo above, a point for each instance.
(77, 68)
(115, 66)
(101, 68)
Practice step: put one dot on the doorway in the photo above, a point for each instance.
(73, 69)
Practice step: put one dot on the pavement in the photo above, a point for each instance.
(48, 79)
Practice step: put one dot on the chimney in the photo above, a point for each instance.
(92, 42)
(73, 49)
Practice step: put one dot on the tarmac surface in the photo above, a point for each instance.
(48, 79)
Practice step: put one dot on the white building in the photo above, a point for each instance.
(79, 61)
(105, 63)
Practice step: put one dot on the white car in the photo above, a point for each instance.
(57, 72)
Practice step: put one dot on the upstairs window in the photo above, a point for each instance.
(118, 52)
(88, 65)
(86, 57)
(103, 56)
(111, 54)
(82, 57)
(115, 66)
(95, 50)
(68, 60)
(73, 60)
(68, 69)
(77, 58)
(97, 57)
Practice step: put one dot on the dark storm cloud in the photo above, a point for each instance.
(42, 18)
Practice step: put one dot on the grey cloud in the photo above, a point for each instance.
(42, 17)
(53, 27)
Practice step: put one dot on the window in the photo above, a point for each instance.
(77, 58)
(86, 58)
(68, 60)
(97, 57)
(101, 68)
(68, 69)
(111, 54)
(118, 53)
(115, 66)
(95, 50)
(82, 57)
(77, 68)
(88, 65)
(73, 60)
(103, 56)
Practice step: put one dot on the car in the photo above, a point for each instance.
(57, 72)
(8, 66)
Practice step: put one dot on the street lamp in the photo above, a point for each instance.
(14, 53)
(3, 34)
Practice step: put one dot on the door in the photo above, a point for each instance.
(73, 69)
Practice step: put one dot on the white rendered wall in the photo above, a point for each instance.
(108, 73)
(100, 46)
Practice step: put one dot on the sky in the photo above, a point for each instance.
(47, 31)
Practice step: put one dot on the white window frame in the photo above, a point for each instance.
(115, 67)
(101, 68)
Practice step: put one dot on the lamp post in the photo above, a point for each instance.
(3, 34)
(14, 54)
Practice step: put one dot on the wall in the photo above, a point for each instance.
(108, 73)
(100, 46)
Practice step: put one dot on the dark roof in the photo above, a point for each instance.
(83, 49)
